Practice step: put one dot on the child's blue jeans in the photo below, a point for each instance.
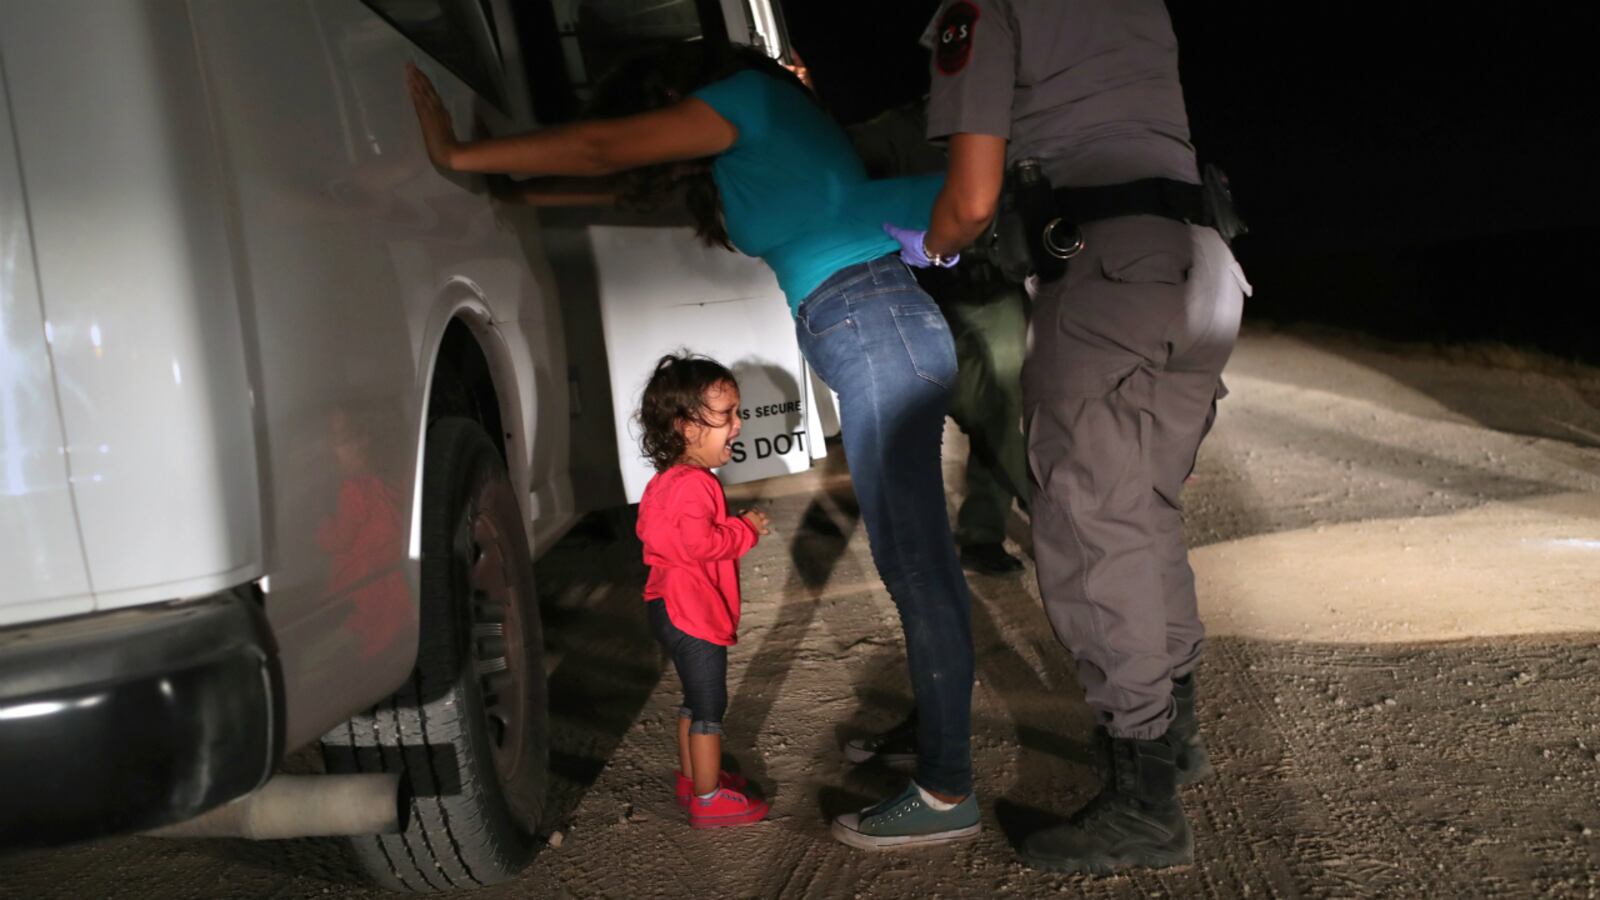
(702, 668)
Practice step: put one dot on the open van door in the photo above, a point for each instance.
(657, 289)
(758, 23)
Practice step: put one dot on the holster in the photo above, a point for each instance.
(1218, 209)
(1006, 244)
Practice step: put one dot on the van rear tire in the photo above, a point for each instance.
(468, 730)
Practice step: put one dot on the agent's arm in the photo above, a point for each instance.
(972, 85)
(687, 130)
(971, 192)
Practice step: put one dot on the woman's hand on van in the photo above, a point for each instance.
(438, 132)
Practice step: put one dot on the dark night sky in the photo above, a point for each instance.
(1408, 168)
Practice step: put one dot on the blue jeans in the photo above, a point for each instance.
(881, 343)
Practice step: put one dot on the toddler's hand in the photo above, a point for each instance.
(757, 519)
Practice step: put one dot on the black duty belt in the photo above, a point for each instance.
(1039, 231)
(1147, 197)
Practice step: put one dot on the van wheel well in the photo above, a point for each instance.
(463, 387)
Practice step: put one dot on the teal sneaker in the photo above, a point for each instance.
(905, 821)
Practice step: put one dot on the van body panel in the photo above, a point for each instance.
(349, 240)
(358, 256)
(126, 211)
(40, 554)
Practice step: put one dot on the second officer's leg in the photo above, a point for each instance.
(989, 321)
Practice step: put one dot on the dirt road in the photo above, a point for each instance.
(1399, 558)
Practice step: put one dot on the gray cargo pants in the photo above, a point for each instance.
(1120, 386)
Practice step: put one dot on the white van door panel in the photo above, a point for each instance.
(662, 290)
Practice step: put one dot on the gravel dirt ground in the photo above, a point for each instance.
(1398, 551)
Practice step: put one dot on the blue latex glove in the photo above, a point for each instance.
(912, 252)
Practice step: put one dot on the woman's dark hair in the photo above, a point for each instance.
(658, 79)
(676, 394)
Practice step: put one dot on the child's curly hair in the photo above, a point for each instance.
(675, 394)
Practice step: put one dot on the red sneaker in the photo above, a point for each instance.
(725, 808)
(725, 779)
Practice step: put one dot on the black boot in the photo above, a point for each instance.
(1135, 820)
(989, 559)
(1194, 763)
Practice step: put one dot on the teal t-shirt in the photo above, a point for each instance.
(795, 194)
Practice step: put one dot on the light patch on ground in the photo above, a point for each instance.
(1503, 569)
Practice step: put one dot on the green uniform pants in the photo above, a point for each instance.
(988, 317)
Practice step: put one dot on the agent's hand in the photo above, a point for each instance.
(912, 250)
(438, 131)
(758, 520)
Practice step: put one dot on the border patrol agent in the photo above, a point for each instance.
(1136, 312)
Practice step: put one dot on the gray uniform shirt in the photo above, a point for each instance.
(1088, 86)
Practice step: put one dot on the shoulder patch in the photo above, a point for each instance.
(954, 37)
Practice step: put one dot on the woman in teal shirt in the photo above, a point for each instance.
(783, 184)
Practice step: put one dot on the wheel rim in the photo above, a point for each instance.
(498, 657)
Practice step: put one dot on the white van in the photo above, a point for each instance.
(285, 412)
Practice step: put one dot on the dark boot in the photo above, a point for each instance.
(989, 559)
(1135, 820)
(1194, 763)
